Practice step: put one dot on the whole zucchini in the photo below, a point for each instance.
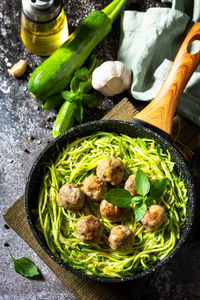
(53, 75)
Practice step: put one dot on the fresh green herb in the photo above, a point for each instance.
(136, 199)
(90, 100)
(142, 184)
(140, 210)
(53, 102)
(80, 85)
(82, 74)
(25, 267)
(78, 112)
(158, 188)
(76, 84)
(146, 194)
(68, 96)
(118, 197)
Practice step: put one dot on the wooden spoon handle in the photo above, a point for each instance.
(160, 111)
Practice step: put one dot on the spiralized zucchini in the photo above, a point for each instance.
(78, 160)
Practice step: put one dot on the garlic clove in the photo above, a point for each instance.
(18, 69)
(111, 78)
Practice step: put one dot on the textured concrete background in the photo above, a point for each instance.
(21, 117)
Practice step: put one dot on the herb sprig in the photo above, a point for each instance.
(74, 99)
(25, 267)
(146, 194)
(78, 93)
(80, 85)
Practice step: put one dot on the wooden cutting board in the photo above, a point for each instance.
(83, 289)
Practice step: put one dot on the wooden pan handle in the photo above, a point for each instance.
(161, 110)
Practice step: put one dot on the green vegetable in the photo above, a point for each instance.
(53, 75)
(123, 198)
(65, 118)
(72, 108)
(53, 102)
(25, 267)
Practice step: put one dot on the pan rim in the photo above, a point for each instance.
(144, 272)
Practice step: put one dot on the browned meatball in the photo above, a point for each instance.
(89, 229)
(111, 170)
(71, 197)
(154, 218)
(94, 188)
(121, 238)
(110, 211)
(130, 185)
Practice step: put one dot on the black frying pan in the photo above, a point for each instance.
(154, 122)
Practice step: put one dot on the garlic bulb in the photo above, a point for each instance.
(111, 78)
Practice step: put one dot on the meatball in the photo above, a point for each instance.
(130, 185)
(71, 197)
(121, 238)
(111, 170)
(94, 188)
(110, 211)
(154, 218)
(89, 229)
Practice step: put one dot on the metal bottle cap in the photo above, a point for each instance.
(41, 10)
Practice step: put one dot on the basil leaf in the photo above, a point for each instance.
(78, 96)
(53, 102)
(139, 211)
(82, 74)
(142, 184)
(136, 199)
(90, 100)
(158, 188)
(81, 87)
(118, 197)
(74, 84)
(93, 64)
(25, 267)
(149, 201)
(68, 95)
(78, 112)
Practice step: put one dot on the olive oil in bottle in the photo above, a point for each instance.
(43, 26)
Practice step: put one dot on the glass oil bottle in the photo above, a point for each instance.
(44, 26)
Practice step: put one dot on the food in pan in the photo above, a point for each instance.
(121, 238)
(130, 184)
(154, 218)
(109, 211)
(94, 188)
(71, 197)
(99, 238)
(111, 170)
(89, 229)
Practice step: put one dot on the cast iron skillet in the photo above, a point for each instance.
(154, 122)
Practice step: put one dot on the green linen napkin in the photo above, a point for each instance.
(149, 42)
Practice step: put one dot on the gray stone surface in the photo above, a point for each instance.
(21, 117)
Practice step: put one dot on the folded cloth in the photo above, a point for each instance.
(149, 42)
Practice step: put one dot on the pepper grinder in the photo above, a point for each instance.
(44, 26)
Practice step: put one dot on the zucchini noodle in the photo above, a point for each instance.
(73, 164)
